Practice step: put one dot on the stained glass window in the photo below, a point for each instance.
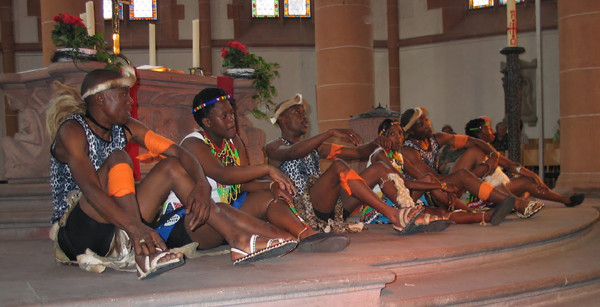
(107, 10)
(296, 8)
(265, 8)
(142, 10)
(503, 2)
(477, 4)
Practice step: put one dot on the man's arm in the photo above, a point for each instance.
(414, 166)
(362, 152)
(278, 151)
(198, 202)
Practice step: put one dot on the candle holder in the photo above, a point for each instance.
(196, 71)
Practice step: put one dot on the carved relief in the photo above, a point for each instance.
(164, 105)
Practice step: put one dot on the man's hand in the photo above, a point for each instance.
(145, 240)
(348, 134)
(281, 180)
(198, 205)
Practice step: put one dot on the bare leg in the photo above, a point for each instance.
(523, 184)
(225, 222)
(262, 205)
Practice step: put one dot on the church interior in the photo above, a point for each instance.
(460, 59)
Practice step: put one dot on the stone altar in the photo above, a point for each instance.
(164, 104)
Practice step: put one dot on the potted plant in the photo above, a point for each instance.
(241, 64)
(74, 42)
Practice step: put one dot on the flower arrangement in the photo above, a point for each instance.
(236, 56)
(70, 32)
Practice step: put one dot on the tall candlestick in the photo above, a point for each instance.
(196, 43)
(511, 23)
(152, 44)
(89, 14)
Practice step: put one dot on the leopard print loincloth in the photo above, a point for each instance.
(304, 206)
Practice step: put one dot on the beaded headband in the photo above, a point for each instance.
(127, 80)
(393, 123)
(206, 104)
(488, 122)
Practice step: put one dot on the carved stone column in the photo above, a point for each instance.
(344, 60)
(579, 66)
(511, 82)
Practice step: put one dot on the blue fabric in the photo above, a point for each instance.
(168, 221)
(240, 200)
(424, 200)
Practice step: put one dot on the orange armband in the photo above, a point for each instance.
(351, 175)
(485, 189)
(156, 144)
(120, 180)
(460, 141)
(335, 150)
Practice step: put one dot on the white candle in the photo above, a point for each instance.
(152, 43)
(511, 23)
(89, 14)
(196, 43)
(84, 19)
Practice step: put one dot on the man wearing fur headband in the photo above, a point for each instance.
(325, 200)
(101, 217)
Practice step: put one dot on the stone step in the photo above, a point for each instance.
(552, 256)
(522, 275)
(25, 211)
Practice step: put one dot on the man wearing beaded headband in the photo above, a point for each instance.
(326, 199)
(100, 216)
(421, 150)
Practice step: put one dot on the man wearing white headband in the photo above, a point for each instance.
(101, 218)
(325, 200)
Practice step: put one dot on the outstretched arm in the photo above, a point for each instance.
(279, 151)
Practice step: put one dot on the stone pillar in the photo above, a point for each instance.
(579, 66)
(49, 9)
(205, 37)
(344, 61)
(394, 54)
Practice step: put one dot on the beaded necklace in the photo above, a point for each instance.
(229, 156)
(397, 160)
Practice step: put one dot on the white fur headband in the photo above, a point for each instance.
(127, 80)
(286, 105)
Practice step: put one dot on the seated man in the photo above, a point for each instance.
(99, 213)
(320, 199)
(421, 150)
(523, 181)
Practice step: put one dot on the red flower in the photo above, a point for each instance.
(68, 19)
(239, 46)
(223, 52)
